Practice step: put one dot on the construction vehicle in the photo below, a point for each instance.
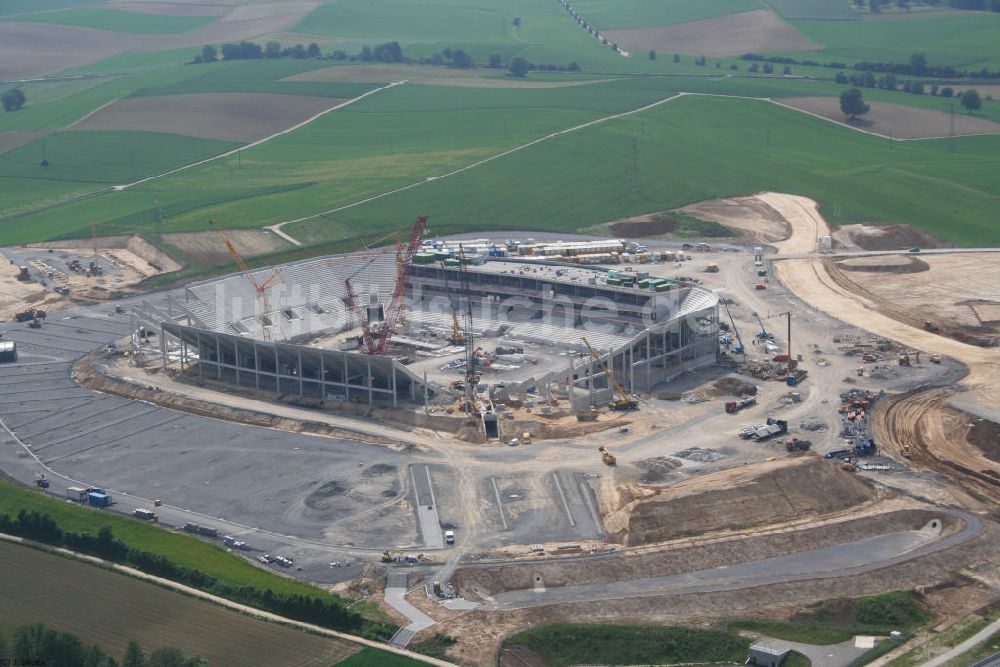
(795, 377)
(732, 407)
(796, 445)
(624, 401)
(41, 482)
(391, 556)
(35, 324)
(935, 358)
(760, 286)
(740, 349)
(930, 326)
(906, 451)
(589, 415)
(764, 333)
(712, 268)
(606, 456)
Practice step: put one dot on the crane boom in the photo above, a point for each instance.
(260, 288)
(739, 339)
(360, 314)
(624, 401)
(404, 260)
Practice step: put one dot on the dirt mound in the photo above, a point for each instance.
(378, 470)
(748, 215)
(892, 237)
(986, 436)
(735, 386)
(886, 264)
(319, 499)
(760, 494)
(701, 455)
(643, 228)
(657, 468)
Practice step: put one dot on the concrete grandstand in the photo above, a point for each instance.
(298, 337)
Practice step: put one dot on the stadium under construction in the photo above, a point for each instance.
(433, 321)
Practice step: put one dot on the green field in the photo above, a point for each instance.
(567, 644)
(119, 21)
(370, 657)
(64, 594)
(86, 161)
(8, 7)
(964, 41)
(700, 148)
(179, 548)
(620, 14)
(812, 9)
(547, 34)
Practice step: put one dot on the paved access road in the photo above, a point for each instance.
(849, 559)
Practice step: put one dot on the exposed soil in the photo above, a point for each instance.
(26, 49)
(16, 296)
(885, 264)
(898, 121)
(937, 288)
(11, 140)
(754, 31)
(985, 435)
(640, 228)
(734, 499)
(890, 237)
(750, 216)
(223, 116)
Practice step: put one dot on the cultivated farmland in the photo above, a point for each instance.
(119, 21)
(730, 35)
(618, 14)
(223, 116)
(110, 609)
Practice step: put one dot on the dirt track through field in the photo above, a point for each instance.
(923, 421)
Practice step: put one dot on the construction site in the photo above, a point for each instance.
(490, 432)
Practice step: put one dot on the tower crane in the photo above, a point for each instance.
(624, 401)
(471, 377)
(788, 316)
(260, 287)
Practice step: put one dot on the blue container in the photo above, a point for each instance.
(98, 499)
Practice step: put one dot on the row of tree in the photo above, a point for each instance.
(328, 611)
(852, 102)
(13, 99)
(252, 51)
(917, 66)
(875, 6)
(38, 644)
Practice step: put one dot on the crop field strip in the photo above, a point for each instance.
(114, 20)
(65, 594)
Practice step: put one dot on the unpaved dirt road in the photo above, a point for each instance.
(923, 421)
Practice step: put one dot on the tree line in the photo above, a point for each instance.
(38, 644)
(330, 612)
(917, 66)
(852, 101)
(387, 52)
(875, 6)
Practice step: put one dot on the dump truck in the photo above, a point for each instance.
(712, 268)
(606, 456)
(796, 445)
(795, 377)
(732, 407)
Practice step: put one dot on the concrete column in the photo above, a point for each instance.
(183, 352)
(426, 406)
(322, 374)
(369, 360)
(347, 389)
(394, 402)
(631, 369)
(648, 361)
(236, 356)
(277, 370)
(218, 357)
(256, 367)
(200, 366)
(301, 381)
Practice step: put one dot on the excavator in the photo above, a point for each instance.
(624, 401)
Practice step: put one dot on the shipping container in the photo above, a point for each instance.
(144, 514)
(77, 494)
(97, 499)
(8, 351)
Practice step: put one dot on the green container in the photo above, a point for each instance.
(643, 284)
(423, 258)
(440, 256)
(612, 273)
(451, 261)
(614, 281)
(664, 287)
